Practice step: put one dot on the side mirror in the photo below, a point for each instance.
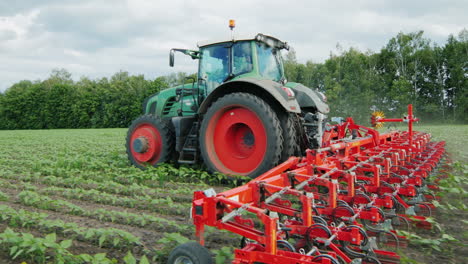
(191, 53)
(171, 58)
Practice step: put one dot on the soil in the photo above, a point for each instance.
(450, 221)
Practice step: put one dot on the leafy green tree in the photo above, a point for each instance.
(408, 69)
(456, 55)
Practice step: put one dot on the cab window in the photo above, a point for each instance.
(268, 63)
(242, 58)
(214, 65)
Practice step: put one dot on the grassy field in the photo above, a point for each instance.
(456, 137)
(70, 196)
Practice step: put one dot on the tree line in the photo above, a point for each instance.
(408, 69)
(60, 102)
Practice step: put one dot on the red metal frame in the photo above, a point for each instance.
(348, 180)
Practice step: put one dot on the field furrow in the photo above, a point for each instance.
(84, 189)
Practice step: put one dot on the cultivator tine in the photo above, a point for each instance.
(338, 202)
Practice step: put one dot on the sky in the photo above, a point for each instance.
(97, 38)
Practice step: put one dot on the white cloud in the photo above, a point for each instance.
(97, 38)
(18, 24)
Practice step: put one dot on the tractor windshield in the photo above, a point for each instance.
(242, 58)
(225, 61)
(214, 65)
(268, 62)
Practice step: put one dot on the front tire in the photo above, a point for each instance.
(149, 141)
(241, 135)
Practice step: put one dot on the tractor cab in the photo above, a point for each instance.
(221, 61)
(257, 57)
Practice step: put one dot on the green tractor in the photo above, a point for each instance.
(240, 114)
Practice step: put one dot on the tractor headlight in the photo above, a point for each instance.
(289, 92)
(260, 38)
(324, 97)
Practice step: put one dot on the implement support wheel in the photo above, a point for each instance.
(241, 135)
(190, 253)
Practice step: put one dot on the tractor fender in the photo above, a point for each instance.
(254, 86)
(150, 104)
(307, 97)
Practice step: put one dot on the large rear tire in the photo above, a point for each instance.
(291, 144)
(149, 141)
(241, 135)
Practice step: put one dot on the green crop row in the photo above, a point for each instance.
(160, 205)
(62, 163)
(109, 237)
(141, 220)
(112, 187)
(18, 185)
(44, 202)
(25, 246)
(31, 198)
(107, 165)
(4, 196)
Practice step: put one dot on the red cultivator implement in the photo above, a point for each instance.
(338, 204)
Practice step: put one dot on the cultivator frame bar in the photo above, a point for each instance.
(360, 178)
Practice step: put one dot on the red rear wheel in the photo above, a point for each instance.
(148, 141)
(239, 139)
(240, 134)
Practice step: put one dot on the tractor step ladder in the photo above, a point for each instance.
(189, 153)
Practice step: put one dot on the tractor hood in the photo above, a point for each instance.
(308, 97)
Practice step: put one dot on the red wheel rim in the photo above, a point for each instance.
(236, 140)
(154, 143)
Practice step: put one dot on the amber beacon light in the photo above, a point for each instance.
(232, 24)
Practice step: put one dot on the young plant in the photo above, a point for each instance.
(169, 242)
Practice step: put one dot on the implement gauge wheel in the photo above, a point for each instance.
(241, 135)
(149, 141)
(190, 253)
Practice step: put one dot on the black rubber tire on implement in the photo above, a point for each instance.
(319, 220)
(423, 209)
(314, 227)
(154, 130)
(400, 223)
(372, 226)
(326, 256)
(248, 139)
(285, 245)
(191, 252)
(343, 208)
(364, 236)
(387, 239)
(370, 259)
